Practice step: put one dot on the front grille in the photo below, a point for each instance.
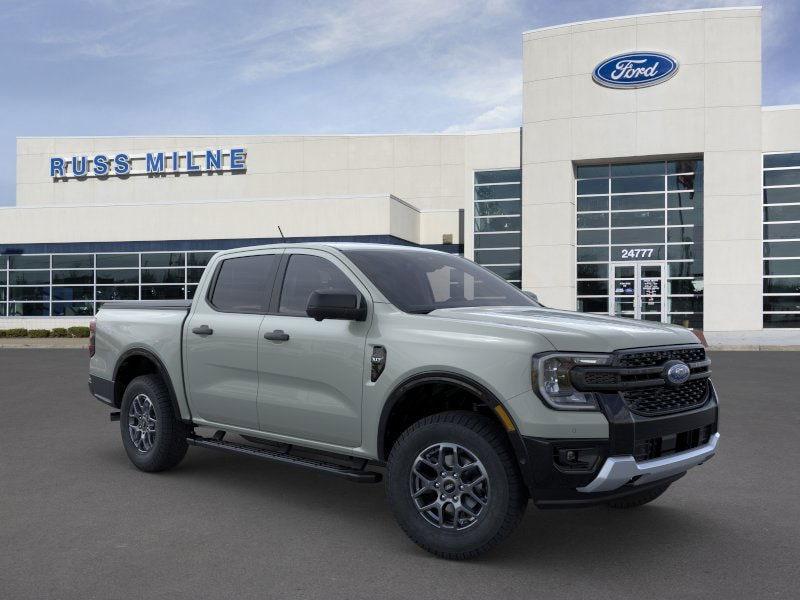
(655, 358)
(653, 401)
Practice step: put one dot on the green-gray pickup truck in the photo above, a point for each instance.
(362, 360)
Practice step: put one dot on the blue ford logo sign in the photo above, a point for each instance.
(635, 70)
(677, 372)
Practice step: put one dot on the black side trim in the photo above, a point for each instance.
(102, 389)
(485, 396)
(160, 368)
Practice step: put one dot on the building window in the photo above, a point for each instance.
(640, 240)
(497, 223)
(781, 291)
(76, 285)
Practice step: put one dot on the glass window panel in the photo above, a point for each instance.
(73, 276)
(684, 166)
(592, 288)
(650, 271)
(507, 272)
(637, 201)
(194, 275)
(693, 304)
(29, 309)
(647, 168)
(494, 192)
(592, 186)
(681, 182)
(3, 262)
(773, 321)
(790, 159)
(684, 199)
(592, 236)
(118, 276)
(244, 284)
(624, 272)
(497, 240)
(190, 290)
(199, 259)
(681, 269)
(782, 195)
(2, 310)
(498, 224)
(586, 171)
(163, 275)
(592, 271)
(72, 309)
(592, 254)
(598, 305)
(498, 176)
(73, 261)
(497, 257)
(637, 184)
(638, 252)
(782, 285)
(781, 249)
(782, 303)
(163, 259)
(694, 321)
(28, 277)
(637, 236)
(782, 267)
(680, 252)
(685, 286)
(680, 234)
(117, 260)
(117, 292)
(483, 209)
(162, 292)
(682, 217)
(782, 213)
(2, 277)
(29, 293)
(787, 177)
(598, 203)
(304, 275)
(782, 231)
(593, 220)
(27, 261)
(84, 292)
(637, 219)
(2, 294)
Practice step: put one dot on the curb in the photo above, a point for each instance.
(45, 343)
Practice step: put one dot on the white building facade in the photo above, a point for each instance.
(646, 180)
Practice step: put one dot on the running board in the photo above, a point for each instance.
(351, 473)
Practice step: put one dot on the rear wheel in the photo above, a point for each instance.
(454, 486)
(639, 499)
(152, 434)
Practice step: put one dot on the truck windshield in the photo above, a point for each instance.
(419, 281)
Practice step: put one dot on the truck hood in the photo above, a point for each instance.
(574, 331)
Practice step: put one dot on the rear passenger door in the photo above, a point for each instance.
(221, 339)
(311, 382)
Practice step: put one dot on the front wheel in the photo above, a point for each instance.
(453, 485)
(152, 434)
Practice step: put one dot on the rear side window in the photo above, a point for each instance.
(306, 274)
(243, 285)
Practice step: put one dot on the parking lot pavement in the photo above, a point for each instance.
(77, 520)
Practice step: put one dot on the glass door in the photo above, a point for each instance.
(637, 290)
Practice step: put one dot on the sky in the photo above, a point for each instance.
(171, 67)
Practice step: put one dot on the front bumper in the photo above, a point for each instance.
(640, 452)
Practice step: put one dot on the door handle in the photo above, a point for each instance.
(203, 330)
(276, 336)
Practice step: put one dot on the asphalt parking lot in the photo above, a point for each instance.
(77, 520)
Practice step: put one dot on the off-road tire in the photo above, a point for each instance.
(507, 498)
(169, 444)
(639, 499)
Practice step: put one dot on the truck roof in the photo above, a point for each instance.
(341, 246)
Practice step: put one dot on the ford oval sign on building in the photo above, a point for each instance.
(635, 70)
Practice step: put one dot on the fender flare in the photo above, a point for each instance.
(160, 369)
(484, 395)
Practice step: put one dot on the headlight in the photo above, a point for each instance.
(550, 376)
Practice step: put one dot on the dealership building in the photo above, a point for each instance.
(645, 180)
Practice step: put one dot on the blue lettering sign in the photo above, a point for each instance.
(190, 166)
(122, 166)
(176, 162)
(213, 160)
(154, 162)
(100, 163)
(237, 159)
(56, 167)
(635, 70)
(79, 166)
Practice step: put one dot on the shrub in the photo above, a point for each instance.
(79, 332)
(38, 333)
(60, 332)
(16, 332)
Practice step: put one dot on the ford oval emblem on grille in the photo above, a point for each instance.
(676, 372)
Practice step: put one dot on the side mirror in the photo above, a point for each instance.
(334, 304)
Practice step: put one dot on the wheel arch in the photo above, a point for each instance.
(141, 361)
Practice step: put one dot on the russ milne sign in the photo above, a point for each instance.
(635, 70)
(122, 164)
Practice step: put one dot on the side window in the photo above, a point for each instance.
(244, 284)
(306, 274)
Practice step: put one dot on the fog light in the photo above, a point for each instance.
(577, 459)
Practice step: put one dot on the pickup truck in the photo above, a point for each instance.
(360, 360)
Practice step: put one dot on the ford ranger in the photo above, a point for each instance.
(358, 360)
